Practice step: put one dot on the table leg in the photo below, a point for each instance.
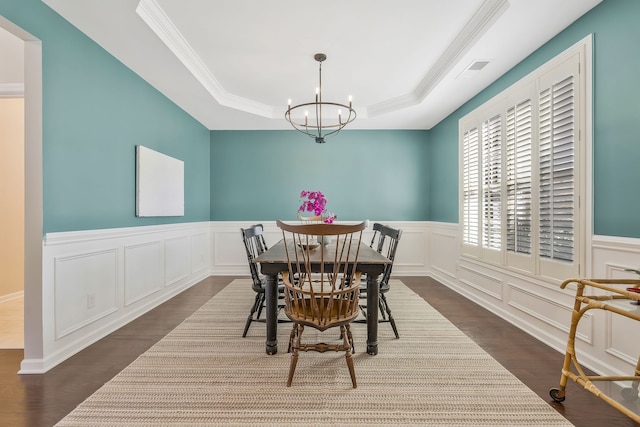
(271, 302)
(373, 294)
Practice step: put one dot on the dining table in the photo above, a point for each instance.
(274, 261)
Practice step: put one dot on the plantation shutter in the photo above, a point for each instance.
(557, 180)
(492, 183)
(522, 156)
(471, 229)
(519, 177)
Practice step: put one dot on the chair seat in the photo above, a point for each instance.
(363, 286)
(324, 314)
(263, 286)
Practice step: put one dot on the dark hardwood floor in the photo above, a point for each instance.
(42, 400)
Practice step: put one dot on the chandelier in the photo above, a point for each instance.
(319, 126)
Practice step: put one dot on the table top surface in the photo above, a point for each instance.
(276, 254)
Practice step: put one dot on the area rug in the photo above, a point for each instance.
(204, 373)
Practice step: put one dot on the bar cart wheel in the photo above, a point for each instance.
(556, 395)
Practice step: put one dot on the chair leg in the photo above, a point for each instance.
(256, 303)
(383, 299)
(382, 310)
(260, 305)
(350, 338)
(348, 356)
(294, 355)
(292, 336)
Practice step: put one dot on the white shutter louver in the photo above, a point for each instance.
(519, 177)
(557, 183)
(471, 170)
(492, 183)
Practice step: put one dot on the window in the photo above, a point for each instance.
(521, 172)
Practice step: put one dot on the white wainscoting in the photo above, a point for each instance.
(229, 256)
(607, 343)
(96, 281)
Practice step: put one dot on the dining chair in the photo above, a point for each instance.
(385, 241)
(254, 244)
(322, 286)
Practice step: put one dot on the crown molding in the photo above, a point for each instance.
(477, 26)
(158, 21)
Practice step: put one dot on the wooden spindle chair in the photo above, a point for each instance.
(323, 294)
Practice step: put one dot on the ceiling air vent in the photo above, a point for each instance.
(472, 69)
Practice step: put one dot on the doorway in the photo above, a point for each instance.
(33, 195)
(11, 218)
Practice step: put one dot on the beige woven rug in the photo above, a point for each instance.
(204, 373)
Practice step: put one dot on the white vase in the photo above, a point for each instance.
(324, 240)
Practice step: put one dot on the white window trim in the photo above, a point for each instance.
(583, 161)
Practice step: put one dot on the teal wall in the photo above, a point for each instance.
(379, 175)
(616, 113)
(95, 111)
(616, 149)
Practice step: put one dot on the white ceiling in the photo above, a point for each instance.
(233, 64)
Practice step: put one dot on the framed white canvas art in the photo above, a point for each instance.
(159, 184)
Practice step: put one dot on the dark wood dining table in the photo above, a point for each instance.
(274, 261)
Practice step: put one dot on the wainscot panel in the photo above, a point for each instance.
(200, 253)
(537, 306)
(619, 345)
(85, 289)
(177, 259)
(484, 284)
(100, 280)
(143, 271)
(444, 249)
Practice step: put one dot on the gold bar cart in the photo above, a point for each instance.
(604, 301)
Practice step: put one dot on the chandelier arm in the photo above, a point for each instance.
(302, 129)
(350, 118)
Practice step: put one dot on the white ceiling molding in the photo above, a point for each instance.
(158, 21)
(11, 90)
(478, 25)
(232, 65)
